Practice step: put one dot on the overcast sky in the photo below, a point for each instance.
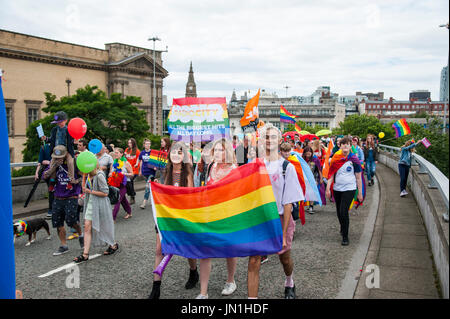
(349, 45)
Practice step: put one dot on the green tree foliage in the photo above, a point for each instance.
(437, 153)
(111, 120)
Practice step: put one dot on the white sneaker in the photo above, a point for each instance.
(403, 193)
(200, 296)
(229, 288)
(311, 210)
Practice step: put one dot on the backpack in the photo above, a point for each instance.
(113, 193)
(295, 206)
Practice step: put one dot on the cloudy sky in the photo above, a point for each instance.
(349, 45)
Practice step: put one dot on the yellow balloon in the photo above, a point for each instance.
(381, 135)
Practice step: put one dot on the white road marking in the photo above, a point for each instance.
(65, 267)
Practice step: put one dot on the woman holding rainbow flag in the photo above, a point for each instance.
(404, 164)
(343, 180)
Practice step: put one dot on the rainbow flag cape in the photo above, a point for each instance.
(297, 128)
(236, 217)
(306, 178)
(285, 116)
(158, 159)
(401, 128)
(337, 161)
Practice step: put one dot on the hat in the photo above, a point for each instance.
(59, 151)
(59, 117)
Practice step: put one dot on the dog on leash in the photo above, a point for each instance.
(30, 228)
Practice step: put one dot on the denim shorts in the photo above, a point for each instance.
(65, 210)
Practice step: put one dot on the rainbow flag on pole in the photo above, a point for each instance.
(285, 116)
(236, 217)
(401, 128)
(297, 128)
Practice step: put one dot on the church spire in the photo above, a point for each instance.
(191, 88)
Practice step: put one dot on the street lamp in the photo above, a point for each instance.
(68, 81)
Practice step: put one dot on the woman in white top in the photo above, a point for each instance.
(224, 161)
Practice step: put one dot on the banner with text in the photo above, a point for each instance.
(194, 119)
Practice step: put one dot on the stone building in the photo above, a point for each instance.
(328, 113)
(34, 65)
(191, 87)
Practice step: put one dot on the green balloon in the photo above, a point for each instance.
(86, 162)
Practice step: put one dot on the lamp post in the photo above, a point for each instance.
(445, 104)
(68, 81)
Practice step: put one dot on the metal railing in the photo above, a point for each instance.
(15, 165)
(437, 178)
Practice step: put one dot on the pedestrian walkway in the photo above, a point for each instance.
(399, 247)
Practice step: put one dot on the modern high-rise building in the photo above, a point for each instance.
(420, 95)
(443, 92)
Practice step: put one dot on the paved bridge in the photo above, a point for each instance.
(403, 242)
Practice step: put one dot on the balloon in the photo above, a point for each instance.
(77, 128)
(86, 162)
(381, 135)
(95, 146)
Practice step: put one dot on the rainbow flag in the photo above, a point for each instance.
(285, 116)
(158, 159)
(236, 217)
(305, 177)
(297, 128)
(401, 128)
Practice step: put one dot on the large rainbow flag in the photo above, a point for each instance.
(285, 116)
(306, 178)
(236, 217)
(401, 128)
(158, 159)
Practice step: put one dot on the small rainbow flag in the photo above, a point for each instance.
(285, 116)
(297, 128)
(401, 128)
(236, 217)
(426, 142)
(158, 159)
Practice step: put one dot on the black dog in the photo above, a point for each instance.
(32, 226)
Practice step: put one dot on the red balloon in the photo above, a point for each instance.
(77, 128)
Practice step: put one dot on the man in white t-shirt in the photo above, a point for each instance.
(287, 190)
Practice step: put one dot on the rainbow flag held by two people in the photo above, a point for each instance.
(236, 217)
(337, 161)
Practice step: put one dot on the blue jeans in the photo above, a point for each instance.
(147, 186)
(404, 172)
(370, 170)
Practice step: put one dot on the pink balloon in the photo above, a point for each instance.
(77, 128)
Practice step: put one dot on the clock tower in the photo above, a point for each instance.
(191, 89)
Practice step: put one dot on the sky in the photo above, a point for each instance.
(350, 45)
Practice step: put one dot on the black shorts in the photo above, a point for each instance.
(65, 210)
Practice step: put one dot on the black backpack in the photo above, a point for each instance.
(295, 206)
(113, 193)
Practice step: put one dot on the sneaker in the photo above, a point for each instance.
(81, 241)
(142, 206)
(311, 210)
(403, 193)
(193, 279)
(200, 296)
(61, 250)
(229, 288)
(48, 217)
(345, 242)
(264, 259)
(73, 236)
(289, 293)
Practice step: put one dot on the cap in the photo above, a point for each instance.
(59, 117)
(59, 151)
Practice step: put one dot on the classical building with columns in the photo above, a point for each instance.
(33, 65)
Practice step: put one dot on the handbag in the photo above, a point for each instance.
(113, 194)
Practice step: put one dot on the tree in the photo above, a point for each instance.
(111, 120)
